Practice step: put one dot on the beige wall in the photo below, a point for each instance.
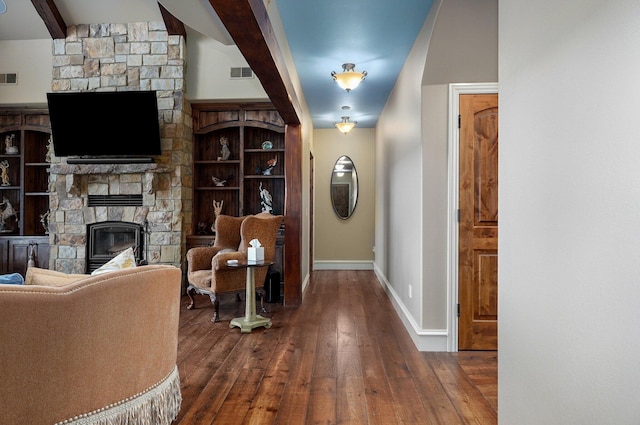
(344, 243)
(208, 72)
(34, 72)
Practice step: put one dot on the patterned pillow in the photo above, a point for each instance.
(123, 260)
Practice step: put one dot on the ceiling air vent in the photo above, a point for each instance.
(241, 73)
(9, 78)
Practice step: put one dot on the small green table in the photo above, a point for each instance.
(251, 319)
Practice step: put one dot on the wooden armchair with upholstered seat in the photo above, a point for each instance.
(207, 269)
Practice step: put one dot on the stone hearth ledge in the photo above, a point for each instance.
(149, 170)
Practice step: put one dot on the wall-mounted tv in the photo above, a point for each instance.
(105, 127)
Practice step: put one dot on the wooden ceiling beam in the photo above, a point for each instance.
(248, 24)
(173, 24)
(51, 17)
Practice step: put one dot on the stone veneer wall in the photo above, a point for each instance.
(110, 57)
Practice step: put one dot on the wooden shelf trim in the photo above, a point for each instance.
(217, 188)
(260, 176)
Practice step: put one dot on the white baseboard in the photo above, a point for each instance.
(424, 339)
(305, 283)
(343, 265)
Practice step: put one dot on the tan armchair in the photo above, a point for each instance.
(207, 270)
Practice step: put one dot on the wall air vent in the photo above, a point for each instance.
(9, 78)
(238, 73)
(115, 200)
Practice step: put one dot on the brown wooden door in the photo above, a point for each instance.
(478, 225)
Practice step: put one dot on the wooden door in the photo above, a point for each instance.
(478, 224)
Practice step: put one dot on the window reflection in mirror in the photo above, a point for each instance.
(344, 187)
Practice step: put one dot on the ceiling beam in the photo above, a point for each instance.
(248, 24)
(51, 17)
(173, 24)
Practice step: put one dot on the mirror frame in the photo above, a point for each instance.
(337, 183)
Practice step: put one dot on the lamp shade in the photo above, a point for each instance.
(348, 79)
(345, 125)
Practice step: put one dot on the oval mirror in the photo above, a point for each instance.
(344, 187)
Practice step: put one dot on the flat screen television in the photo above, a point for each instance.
(105, 127)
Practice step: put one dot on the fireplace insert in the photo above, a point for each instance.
(107, 239)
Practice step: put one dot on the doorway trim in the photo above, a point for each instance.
(455, 90)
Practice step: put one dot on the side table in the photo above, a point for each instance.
(251, 319)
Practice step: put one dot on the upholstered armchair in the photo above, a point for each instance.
(207, 269)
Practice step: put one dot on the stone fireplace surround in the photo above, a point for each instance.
(68, 229)
(118, 57)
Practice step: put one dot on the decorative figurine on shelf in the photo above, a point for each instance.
(10, 144)
(44, 219)
(270, 165)
(49, 155)
(266, 200)
(6, 212)
(225, 153)
(218, 181)
(4, 167)
(202, 228)
(217, 210)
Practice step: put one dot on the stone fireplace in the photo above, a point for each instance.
(110, 57)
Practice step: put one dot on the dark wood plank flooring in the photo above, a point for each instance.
(342, 357)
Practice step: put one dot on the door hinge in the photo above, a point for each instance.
(459, 120)
(458, 213)
(458, 310)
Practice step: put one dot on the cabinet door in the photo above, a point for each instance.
(19, 250)
(4, 254)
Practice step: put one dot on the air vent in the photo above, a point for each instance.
(115, 201)
(241, 73)
(10, 78)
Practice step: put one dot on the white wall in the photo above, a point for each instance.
(344, 243)
(412, 156)
(398, 240)
(208, 66)
(34, 72)
(569, 213)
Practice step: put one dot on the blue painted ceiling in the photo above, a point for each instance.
(375, 35)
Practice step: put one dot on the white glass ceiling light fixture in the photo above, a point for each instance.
(348, 79)
(345, 125)
(3, 7)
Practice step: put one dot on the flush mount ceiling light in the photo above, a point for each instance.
(345, 125)
(3, 7)
(348, 79)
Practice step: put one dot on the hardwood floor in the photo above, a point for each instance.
(342, 357)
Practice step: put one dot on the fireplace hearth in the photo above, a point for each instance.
(107, 239)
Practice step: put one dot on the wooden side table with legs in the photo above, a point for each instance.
(251, 319)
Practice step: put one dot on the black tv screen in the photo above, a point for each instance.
(105, 125)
